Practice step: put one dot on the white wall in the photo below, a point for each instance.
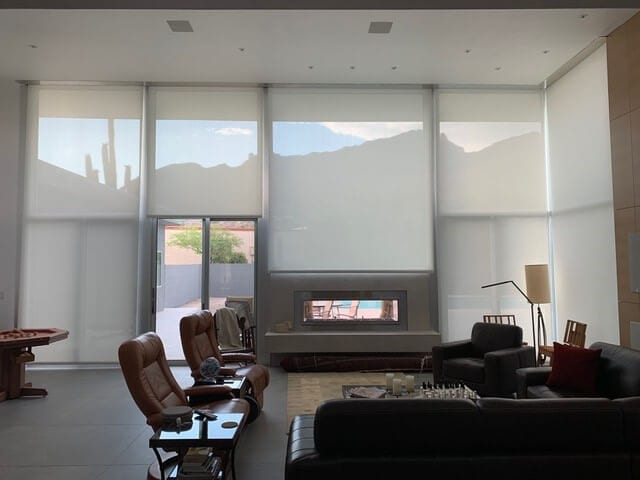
(582, 200)
(10, 191)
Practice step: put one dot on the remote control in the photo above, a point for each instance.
(209, 416)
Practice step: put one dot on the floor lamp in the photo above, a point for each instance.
(537, 280)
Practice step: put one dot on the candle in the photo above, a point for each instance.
(410, 383)
(389, 380)
(397, 386)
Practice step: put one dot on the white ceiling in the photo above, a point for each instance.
(426, 46)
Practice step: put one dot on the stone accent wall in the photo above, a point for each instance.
(623, 61)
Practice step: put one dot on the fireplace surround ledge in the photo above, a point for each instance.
(370, 341)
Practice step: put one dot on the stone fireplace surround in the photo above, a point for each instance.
(419, 335)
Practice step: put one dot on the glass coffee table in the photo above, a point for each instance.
(201, 433)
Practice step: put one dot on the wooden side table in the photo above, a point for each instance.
(15, 353)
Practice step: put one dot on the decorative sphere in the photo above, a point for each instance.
(210, 367)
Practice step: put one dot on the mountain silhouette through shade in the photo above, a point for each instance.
(221, 189)
(471, 175)
(505, 177)
(367, 194)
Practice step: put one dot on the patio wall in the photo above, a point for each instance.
(182, 282)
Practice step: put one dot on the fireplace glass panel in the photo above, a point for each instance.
(351, 310)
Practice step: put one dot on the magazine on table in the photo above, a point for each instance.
(367, 392)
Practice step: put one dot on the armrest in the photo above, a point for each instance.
(227, 371)
(222, 391)
(302, 458)
(239, 357)
(442, 352)
(463, 348)
(501, 366)
(526, 377)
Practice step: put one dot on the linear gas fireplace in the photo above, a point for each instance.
(351, 310)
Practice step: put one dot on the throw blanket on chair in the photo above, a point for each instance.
(229, 334)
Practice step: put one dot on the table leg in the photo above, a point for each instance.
(160, 463)
(32, 392)
(232, 459)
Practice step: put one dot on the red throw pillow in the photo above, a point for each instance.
(574, 368)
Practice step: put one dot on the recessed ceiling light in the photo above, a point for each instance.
(394, 67)
(180, 26)
(380, 27)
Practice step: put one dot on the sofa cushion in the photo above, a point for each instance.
(470, 369)
(554, 426)
(631, 410)
(619, 371)
(395, 427)
(543, 391)
(574, 368)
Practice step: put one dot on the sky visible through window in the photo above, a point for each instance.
(302, 138)
(65, 142)
(205, 142)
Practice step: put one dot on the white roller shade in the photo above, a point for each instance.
(80, 236)
(582, 200)
(83, 152)
(206, 158)
(492, 215)
(491, 146)
(350, 180)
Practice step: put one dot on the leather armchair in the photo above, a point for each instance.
(198, 336)
(487, 362)
(153, 386)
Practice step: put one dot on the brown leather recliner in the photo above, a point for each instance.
(198, 336)
(153, 386)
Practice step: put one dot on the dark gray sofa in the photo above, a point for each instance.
(618, 376)
(487, 362)
(494, 438)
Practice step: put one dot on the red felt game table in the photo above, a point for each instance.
(15, 353)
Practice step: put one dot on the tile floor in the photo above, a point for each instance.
(89, 428)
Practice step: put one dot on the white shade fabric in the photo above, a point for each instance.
(346, 105)
(350, 181)
(582, 200)
(80, 237)
(491, 146)
(83, 156)
(491, 203)
(206, 151)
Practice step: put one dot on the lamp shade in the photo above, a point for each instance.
(537, 278)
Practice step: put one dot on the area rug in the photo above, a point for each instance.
(383, 362)
(305, 391)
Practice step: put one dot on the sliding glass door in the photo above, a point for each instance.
(200, 263)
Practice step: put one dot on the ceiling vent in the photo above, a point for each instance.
(180, 26)
(380, 27)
